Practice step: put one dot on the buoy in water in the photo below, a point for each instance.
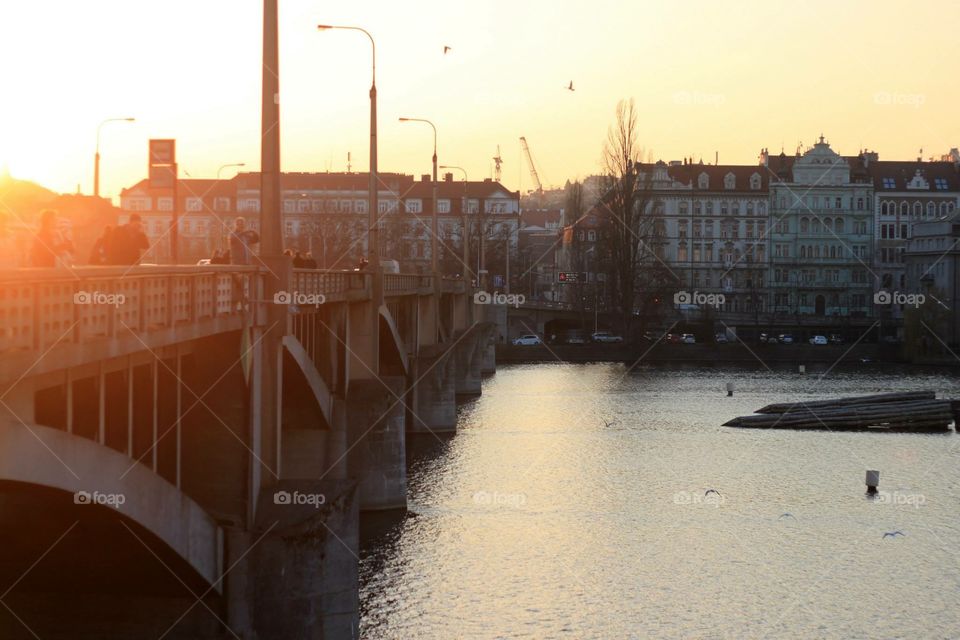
(873, 481)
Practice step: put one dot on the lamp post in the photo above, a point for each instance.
(373, 232)
(463, 214)
(233, 164)
(96, 157)
(433, 223)
(373, 244)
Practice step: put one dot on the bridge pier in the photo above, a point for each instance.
(302, 561)
(468, 359)
(434, 407)
(376, 441)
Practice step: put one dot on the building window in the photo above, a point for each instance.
(194, 204)
(889, 183)
(443, 206)
(413, 206)
(941, 184)
(164, 204)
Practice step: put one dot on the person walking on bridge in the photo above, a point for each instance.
(50, 247)
(241, 241)
(126, 243)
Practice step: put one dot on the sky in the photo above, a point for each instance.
(707, 77)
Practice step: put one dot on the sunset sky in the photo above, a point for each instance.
(730, 77)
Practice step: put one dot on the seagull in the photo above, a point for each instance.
(709, 491)
(786, 515)
(893, 534)
(446, 48)
(609, 423)
(570, 86)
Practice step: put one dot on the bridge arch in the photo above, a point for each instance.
(50, 458)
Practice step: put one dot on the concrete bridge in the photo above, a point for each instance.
(184, 451)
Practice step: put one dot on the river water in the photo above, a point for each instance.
(571, 504)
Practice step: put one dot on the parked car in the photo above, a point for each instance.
(765, 338)
(891, 340)
(672, 338)
(528, 340)
(688, 338)
(721, 338)
(574, 337)
(836, 339)
(818, 340)
(606, 337)
(785, 338)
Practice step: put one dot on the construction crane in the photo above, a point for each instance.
(533, 169)
(497, 161)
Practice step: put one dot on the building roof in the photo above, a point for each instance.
(404, 186)
(689, 174)
(895, 175)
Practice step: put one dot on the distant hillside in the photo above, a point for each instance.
(21, 202)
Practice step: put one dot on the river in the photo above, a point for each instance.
(571, 504)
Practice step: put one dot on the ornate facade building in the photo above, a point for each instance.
(821, 236)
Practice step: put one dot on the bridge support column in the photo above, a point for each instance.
(376, 442)
(467, 365)
(302, 561)
(435, 395)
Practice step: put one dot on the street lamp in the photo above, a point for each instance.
(463, 214)
(96, 157)
(433, 224)
(373, 245)
(226, 166)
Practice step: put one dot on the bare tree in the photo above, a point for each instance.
(634, 269)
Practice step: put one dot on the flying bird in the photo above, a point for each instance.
(709, 491)
(786, 515)
(609, 423)
(893, 534)
(446, 48)
(570, 86)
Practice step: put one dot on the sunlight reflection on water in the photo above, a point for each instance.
(571, 504)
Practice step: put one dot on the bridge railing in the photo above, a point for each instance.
(453, 285)
(42, 307)
(329, 283)
(406, 283)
